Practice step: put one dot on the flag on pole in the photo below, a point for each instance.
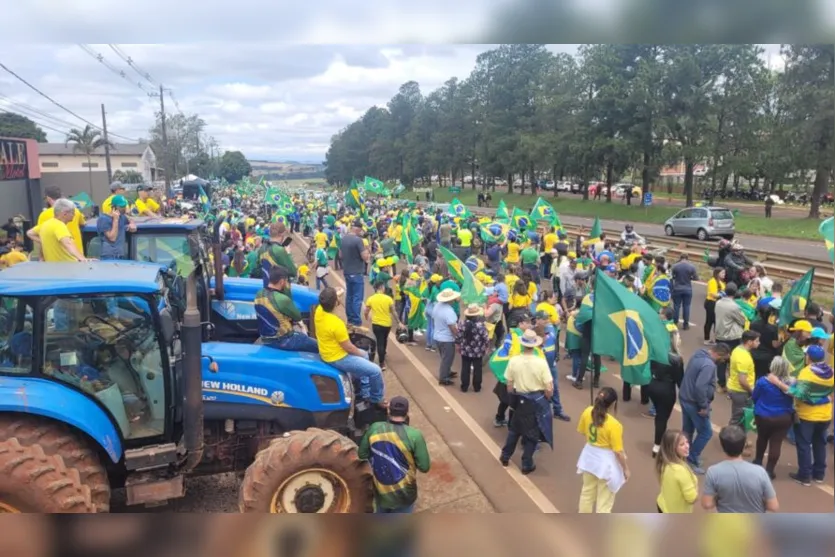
(472, 290)
(827, 231)
(494, 232)
(353, 198)
(595, 233)
(458, 209)
(409, 240)
(520, 220)
(794, 302)
(374, 185)
(626, 328)
(542, 211)
(82, 201)
(204, 199)
(501, 210)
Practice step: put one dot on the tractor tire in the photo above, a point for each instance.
(311, 471)
(57, 439)
(33, 482)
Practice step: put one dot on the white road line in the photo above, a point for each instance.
(525, 484)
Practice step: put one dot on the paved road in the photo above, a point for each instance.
(465, 421)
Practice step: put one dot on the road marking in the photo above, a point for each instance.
(525, 484)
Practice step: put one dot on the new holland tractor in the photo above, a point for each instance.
(106, 383)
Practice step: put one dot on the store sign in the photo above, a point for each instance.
(12, 160)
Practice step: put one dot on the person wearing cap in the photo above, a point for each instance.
(472, 340)
(813, 394)
(355, 255)
(793, 350)
(52, 194)
(396, 452)
(112, 229)
(145, 205)
(530, 386)
(445, 330)
(278, 317)
(273, 253)
(116, 188)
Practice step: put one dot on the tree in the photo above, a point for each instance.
(128, 177)
(15, 125)
(87, 142)
(234, 166)
(187, 145)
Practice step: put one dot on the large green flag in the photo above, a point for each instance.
(353, 198)
(594, 234)
(626, 328)
(472, 290)
(520, 220)
(458, 209)
(82, 201)
(409, 240)
(827, 231)
(282, 201)
(501, 210)
(542, 211)
(795, 300)
(374, 185)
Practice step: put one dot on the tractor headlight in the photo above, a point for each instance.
(347, 388)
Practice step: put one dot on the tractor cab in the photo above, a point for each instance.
(183, 244)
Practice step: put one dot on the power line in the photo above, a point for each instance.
(59, 105)
(131, 63)
(174, 100)
(121, 73)
(40, 124)
(30, 109)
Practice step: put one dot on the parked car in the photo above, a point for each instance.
(702, 222)
(621, 189)
(547, 185)
(576, 187)
(563, 186)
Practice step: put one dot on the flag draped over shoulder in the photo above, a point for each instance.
(472, 289)
(520, 220)
(626, 328)
(416, 319)
(501, 210)
(542, 211)
(509, 348)
(827, 231)
(458, 209)
(795, 300)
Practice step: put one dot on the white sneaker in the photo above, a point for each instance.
(655, 450)
(571, 378)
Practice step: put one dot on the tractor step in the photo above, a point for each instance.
(148, 458)
(149, 489)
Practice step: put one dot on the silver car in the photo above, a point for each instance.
(702, 222)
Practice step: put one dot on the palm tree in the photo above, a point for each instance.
(87, 141)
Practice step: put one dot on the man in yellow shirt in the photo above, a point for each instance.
(54, 237)
(53, 194)
(116, 188)
(741, 376)
(380, 307)
(321, 239)
(11, 258)
(336, 348)
(145, 205)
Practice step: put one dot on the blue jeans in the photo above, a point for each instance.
(576, 363)
(362, 368)
(355, 287)
(528, 448)
(693, 422)
(534, 269)
(811, 449)
(295, 342)
(556, 403)
(681, 304)
(321, 282)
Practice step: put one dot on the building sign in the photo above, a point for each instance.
(13, 164)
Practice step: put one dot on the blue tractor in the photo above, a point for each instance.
(226, 304)
(106, 383)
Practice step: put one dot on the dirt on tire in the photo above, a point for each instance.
(303, 450)
(57, 439)
(32, 481)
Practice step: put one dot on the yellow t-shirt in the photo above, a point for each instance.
(607, 436)
(679, 489)
(398, 233)
(12, 258)
(814, 412)
(147, 205)
(330, 333)
(380, 305)
(512, 253)
(741, 364)
(549, 240)
(249, 223)
(511, 280)
(830, 351)
(74, 226)
(51, 233)
(466, 237)
(302, 272)
(713, 288)
(553, 314)
(627, 261)
(321, 240)
(519, 301)
(529, 373)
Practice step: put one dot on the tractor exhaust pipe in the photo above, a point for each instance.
(192, 334)
(218, 259)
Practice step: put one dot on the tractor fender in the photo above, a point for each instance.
(51, 399)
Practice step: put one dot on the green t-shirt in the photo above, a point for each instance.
(396, 452)
(530, 256)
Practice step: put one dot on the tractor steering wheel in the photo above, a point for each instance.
(120, 334)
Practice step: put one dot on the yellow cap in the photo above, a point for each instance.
(802, 325)
(436, 278)
(414, 276)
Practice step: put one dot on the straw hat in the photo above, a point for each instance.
(448, 295)
(530, 339)
(474, 310)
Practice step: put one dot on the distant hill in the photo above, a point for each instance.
(286, 170)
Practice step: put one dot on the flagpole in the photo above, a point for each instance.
(591, 346)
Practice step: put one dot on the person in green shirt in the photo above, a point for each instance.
(273, 253)
(278, 316)
(530, 261)
(396, 452)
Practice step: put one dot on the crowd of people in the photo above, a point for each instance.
(535, 309)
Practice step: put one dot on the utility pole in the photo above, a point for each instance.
(164, 141)
(106, 146)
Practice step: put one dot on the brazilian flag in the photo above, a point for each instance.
(520, 220)
(827, 232)
(795, 300)
(543, 212)
(658, 290)
(458, 209)
(501, 211)
(472, 289)
(416, 319)
(509, 348)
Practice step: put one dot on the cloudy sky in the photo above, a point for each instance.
(271, 101)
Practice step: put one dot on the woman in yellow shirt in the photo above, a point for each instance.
(603, 460)
(520, 297)
(513, 250)
(679, 485)
(715, 285)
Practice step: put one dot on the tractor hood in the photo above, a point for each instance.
(244, 290)
(257, 374)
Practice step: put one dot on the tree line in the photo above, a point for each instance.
(525, 111)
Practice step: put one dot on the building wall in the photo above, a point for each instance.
(72, 183)
(15, 200)
(75, 163)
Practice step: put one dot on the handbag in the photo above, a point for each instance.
(748, 420)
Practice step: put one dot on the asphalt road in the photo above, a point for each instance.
(465, 420)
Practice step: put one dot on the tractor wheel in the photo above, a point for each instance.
(56, 439)
(311, 471)
(33, 482)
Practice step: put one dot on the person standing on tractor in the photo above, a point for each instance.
(54, 237)
(116, 188)
(274, 253)
(396, 453)
(52, 195)
(145, 205)
(279, 320)
(112, 229)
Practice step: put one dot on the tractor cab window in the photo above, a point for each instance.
(109, 348)
(167, 249)
(15, 336)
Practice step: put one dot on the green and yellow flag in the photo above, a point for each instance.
(409, 240)
(82, 201)
(501, 210)
(542, 211)
(374, 185)
(353, 198)
(520, 220)
(626, 328)
(594, 234)
(795, 300)
(472, 289)
(458, 209)
(827, 231)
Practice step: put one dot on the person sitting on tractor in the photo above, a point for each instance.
(336, 348)
(279, 320)
(274, 252)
